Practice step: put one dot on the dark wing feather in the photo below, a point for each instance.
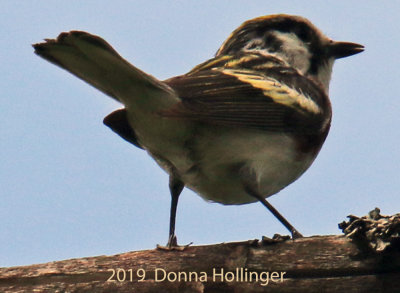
(278, 100)
(118, 122)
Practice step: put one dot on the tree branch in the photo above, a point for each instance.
(311, 264)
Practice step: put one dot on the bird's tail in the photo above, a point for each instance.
(93, 60)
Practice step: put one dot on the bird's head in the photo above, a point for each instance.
(294, 40)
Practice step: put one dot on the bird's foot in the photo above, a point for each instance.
(296, 234)
(173, 245)
(278, 238)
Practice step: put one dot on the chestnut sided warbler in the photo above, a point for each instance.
(237, 128)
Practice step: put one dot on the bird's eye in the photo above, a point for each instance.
(303, 34)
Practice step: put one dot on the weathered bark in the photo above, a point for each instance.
(312, 264)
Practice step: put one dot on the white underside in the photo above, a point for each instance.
(270, 158)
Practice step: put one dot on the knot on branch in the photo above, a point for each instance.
(375, 232)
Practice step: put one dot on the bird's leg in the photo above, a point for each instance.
(295, 234)
(250, 185)
(175, 188)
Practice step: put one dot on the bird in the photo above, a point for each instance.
(237, 128)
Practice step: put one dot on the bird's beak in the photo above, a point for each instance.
(344, 49)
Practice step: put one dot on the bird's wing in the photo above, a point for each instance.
(93, 60)
(118, 122)
(281, 100)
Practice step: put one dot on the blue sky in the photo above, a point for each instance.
(69, 187)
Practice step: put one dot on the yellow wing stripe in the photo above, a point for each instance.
(210, 64)
(277, 91)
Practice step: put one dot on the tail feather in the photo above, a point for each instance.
(93, 60)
